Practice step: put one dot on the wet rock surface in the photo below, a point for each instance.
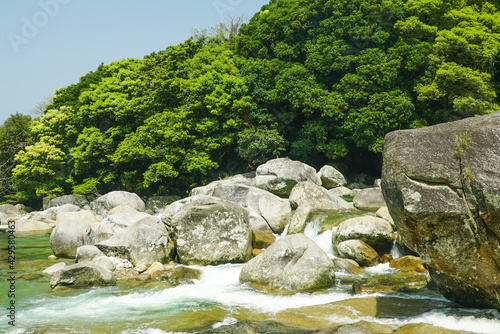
(82, 275)
(376, 232)
(279, 176)
(210, 231)
(293, 263)
(69, 235)
(442, 187)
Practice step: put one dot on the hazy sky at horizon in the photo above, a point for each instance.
(49, 44)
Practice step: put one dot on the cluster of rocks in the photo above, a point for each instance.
(441, 185)
(118, 236)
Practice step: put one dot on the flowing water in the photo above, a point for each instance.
(217, 299)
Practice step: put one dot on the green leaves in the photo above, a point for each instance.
(14, 136)
(258, 145)
(37, 167)
(350, 71)
(469, 91)
(463, 60)
(190, 138)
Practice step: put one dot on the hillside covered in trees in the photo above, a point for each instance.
(314, 80)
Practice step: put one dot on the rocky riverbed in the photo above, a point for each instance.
(217, 302)
(282, 250)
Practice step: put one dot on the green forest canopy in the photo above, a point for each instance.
(314, 80)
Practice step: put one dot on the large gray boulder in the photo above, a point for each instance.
(51, 213)
(273, 209)
(240, 179)
(82, 275)
(307, 193)
(106, 262)
(294, 263)
(211, 231)
(50, 271)
(311, 199)
(300, 218)
(32, 226)
(442, 188)
(121, 209)
(9, 211)
(78, 200)
(370, 199)
(114, 223)
(383, 213)
(279, 176)
(262, 235)
(141, 245)
(331, 178)
(341, 192)
(158, 204)
(177, 206)
(103, 204)
(87, 253)
(376, 232)
(82, 215)
(68, 235)
(152, 221)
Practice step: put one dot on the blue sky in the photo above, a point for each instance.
(49, 44)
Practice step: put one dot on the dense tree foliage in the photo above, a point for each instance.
(14, 136)
(348, 72)
(197, 125)
(315, 80)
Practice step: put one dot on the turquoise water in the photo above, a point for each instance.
(216, 299)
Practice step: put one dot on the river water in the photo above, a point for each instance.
(217, 299)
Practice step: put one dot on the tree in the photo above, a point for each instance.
(463, 61)
(109, 109)
(14, 136)
(314, 80)
(179, 145)
(333, 74)
(258, 145)
(341, 74)
(39, 109)
(230, 28)
(43, 168)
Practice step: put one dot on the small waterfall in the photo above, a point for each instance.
(313, 228)
(323, 240)
(285, 231)
(395, 250)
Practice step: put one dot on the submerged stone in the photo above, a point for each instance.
(180, 275)
(358, 251)
(82, 275)
(427, 328)
(408, 263)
